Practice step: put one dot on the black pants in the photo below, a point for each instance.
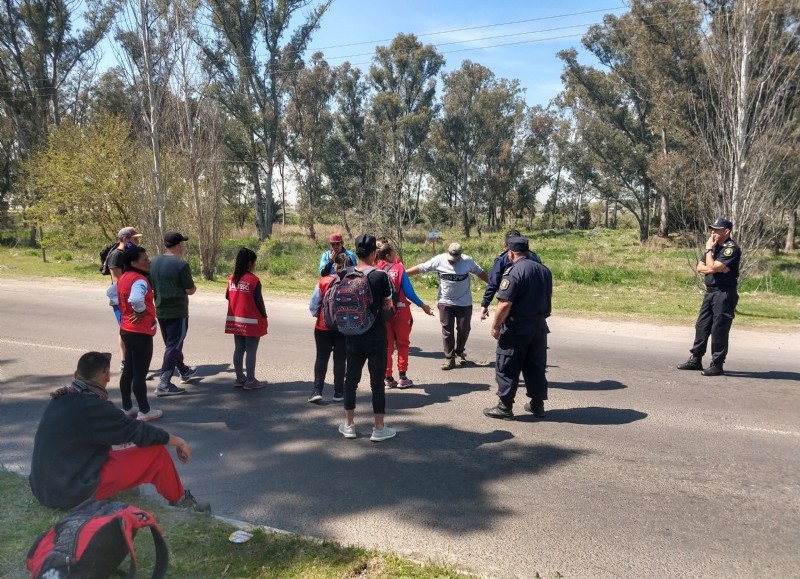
(526, 353)
(369, 348)
(454, 342)
(138, 354)
(328, 341)
(716, 316)
(174, 333)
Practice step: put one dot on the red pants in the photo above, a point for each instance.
(137, 465)
(398, 330)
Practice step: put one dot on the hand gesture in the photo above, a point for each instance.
(484, 313)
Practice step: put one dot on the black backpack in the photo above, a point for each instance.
(92, 541)
(104, 257)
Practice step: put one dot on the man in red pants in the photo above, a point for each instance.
(85, 447)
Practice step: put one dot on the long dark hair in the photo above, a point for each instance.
(243, 260)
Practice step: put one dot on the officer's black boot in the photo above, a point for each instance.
(693, 363)
(713, 370)
(535, 407)
(501, 411)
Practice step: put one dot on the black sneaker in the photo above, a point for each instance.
(501, 412)
(169, 390)
(693, 363)
(338, 396)
(712, 370)
(535, 408)
(316, 396)
(189, 502)
(189, 375)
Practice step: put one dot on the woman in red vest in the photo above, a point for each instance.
(398, 328)
(247, 318)
(137, 328)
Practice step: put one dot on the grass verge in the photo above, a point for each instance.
(199, 545)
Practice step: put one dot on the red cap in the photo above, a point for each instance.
(335, 238)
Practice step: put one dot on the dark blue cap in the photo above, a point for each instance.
(722, 223)
(517, 244)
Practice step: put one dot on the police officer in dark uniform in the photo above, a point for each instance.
(720, 265)
(520, 328)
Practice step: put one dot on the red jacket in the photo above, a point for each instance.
(323, 284)
(244, 318)
(147, 324)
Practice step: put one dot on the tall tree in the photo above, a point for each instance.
(253, 62)
(403, 76)
(309, 123)
(40, 48)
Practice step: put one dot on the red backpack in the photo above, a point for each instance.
(92, 541)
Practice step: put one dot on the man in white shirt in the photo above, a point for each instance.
(455, 299)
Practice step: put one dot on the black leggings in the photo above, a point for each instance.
(138, 354)
(328, 341)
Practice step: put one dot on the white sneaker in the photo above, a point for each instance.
(348, 431)
(384, 434)
(154, 414)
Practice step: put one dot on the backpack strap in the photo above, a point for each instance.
(162, 557)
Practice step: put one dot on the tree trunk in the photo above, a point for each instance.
(792, 230)
(663, 226)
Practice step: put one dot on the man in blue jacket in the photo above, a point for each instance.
(501, 263)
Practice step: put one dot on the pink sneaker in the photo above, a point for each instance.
(390, 382)
(404, 383)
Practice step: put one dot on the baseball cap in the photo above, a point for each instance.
(722, 223)
(173, 238)
(365, 244)
(454, 252)
(126, 232)
(517, 244)
(335, 238)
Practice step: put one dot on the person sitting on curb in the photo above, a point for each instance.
(85, 447)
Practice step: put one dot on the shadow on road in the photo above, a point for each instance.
(769, 375)
(590, 416)
(582, 385)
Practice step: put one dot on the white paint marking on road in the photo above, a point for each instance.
(768, 430)
(40, 345)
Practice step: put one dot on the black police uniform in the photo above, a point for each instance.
(719, 305)
(522, 344)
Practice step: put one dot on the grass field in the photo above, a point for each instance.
(598, 273)
(199, 545)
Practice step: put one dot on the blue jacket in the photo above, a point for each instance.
(501, 263)
(326, 264)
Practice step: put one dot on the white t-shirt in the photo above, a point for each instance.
(454, 280)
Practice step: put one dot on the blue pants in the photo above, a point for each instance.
(174, 333)
(714, 320)
(525, 353)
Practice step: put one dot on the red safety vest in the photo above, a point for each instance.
(395, 274)
(146, 325)
(244, 319)
(323, 284)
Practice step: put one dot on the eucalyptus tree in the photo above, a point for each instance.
(351, 151)
(615, 112)
(309, 124)
(745, 112)
(253, 53)
(146, 36)
(403, 77)
(41, 47)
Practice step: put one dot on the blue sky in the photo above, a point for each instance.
(516, 39)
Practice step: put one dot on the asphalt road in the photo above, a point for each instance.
(639, 470)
